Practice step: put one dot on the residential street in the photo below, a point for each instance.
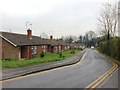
(79, 75)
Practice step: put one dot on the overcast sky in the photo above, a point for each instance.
(56, 17)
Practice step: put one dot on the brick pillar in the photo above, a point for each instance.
(29, 52)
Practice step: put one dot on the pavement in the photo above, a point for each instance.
(21, 71)
(78, 75)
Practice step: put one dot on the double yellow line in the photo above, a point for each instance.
(102, 78)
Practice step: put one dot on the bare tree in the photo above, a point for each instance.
(43, 35)
(107, 22)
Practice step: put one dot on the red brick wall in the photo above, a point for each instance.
(29, 54)
(49, 48)
(40, 49)
(9, 51)
(23, 52)
(26, 52)
(63, 47)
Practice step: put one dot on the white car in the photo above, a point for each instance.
(92, 47)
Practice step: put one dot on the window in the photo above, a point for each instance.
(55, 48)
(44, 48)
(34, 50)
(59, 47)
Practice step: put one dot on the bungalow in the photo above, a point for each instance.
(75, 46)
(17, 46)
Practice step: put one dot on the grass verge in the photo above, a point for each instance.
(114, 60)
(37, 60)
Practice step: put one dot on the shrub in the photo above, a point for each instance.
(72, 52)
(42, 54)
(80, 49)
(60, 55)
(58, 52)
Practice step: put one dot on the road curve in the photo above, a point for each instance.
(79, 75)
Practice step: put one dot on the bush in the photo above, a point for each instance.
(42, 54)
(60, 55)
(114, 47)
(58, 52)
(72, 52)
(80, 49)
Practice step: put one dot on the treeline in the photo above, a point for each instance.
(109, 42)
(110, 47)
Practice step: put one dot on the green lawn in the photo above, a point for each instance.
(36, 60)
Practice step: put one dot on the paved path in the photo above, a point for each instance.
(79, 75)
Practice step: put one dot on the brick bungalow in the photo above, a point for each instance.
(75, 46)
(57, 45)
(17, 46)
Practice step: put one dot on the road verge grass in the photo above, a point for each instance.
(37, 60)
(110, 58)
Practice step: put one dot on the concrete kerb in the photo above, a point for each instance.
(110, 58)
(49, 68)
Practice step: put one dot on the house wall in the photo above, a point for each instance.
(9, 51)
(44, 48)
(62, 47)
(39, 49)
(48, 49)
(58, 48)
(26, 52)
(23, 52)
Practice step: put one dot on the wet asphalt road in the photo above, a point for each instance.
(79, 75)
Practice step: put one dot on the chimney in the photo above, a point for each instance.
(51, 37)
(29, 33)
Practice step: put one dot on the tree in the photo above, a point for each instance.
(90, 39)
(119, 30)
(107, 22)
(119, 48)
(69, 40)
(43, 35)
(80, 39)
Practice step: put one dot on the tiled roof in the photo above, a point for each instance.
(21, 39)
